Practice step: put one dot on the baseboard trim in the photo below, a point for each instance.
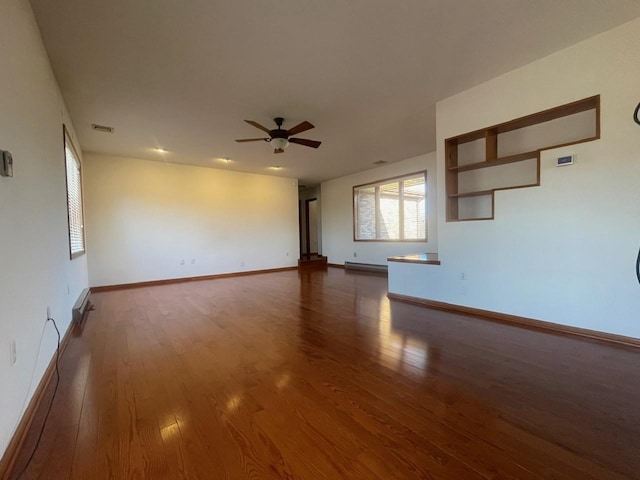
(7, 463)
(367, 268)
(525, 322)
(335, 265)
(153, 283)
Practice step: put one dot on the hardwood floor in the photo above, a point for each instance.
(317, 375)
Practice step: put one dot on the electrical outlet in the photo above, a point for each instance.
(193, 261)
(242, 263)
(13, 355)
(287, 254)
(355, 254)
(182, 261)
(463, 276)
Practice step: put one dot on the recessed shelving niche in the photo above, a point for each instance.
(507, 155)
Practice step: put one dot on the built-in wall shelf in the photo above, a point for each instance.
(507, 156)
(471, 194)
(495, 161)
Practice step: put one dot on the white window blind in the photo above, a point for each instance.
(74, 198)
(391, 210)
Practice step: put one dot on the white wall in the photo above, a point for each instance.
(337, 215)
(144, 217)
(565, 251)
(34, 259)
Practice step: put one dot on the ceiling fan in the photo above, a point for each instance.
(280, 138)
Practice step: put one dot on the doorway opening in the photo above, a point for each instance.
(309, 208)
(310, 232)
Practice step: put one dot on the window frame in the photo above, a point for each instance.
(68, 142)
(383, 181)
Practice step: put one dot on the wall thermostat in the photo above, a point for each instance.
(6, 165)
(562, 161)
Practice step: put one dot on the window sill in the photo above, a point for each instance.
(77, 254)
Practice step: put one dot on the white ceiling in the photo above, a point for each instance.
(183, 75)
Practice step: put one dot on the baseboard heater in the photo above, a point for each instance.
(365, 267)
(82, 306)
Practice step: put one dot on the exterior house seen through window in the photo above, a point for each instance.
(391, 210)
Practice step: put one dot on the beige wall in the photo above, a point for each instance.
(145, 218)
(337, 215)
(565, 251)
(35, 269)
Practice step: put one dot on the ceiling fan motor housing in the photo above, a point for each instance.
(279, 137)
(279, 132)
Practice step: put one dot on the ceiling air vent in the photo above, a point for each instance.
(380, 162)
(102, 128)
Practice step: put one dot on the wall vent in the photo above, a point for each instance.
(102, 128)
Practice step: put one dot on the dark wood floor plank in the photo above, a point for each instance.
(317, 375)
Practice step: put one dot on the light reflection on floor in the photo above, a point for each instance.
(283, 380)
(234, 403)
(80, 382)
(170, 431)
(399, 349)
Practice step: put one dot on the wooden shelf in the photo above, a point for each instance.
(591, 103)
(496, 161)
(533, 133)
(471, 194)
(480, 193)
(470, 219)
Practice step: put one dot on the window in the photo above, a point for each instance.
(74, 197)
(391, 210)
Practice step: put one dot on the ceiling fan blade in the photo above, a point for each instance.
(303, 127)
(305, 142)
(257, 125)
(252, 140)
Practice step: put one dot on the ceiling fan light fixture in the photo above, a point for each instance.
(279, 143)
